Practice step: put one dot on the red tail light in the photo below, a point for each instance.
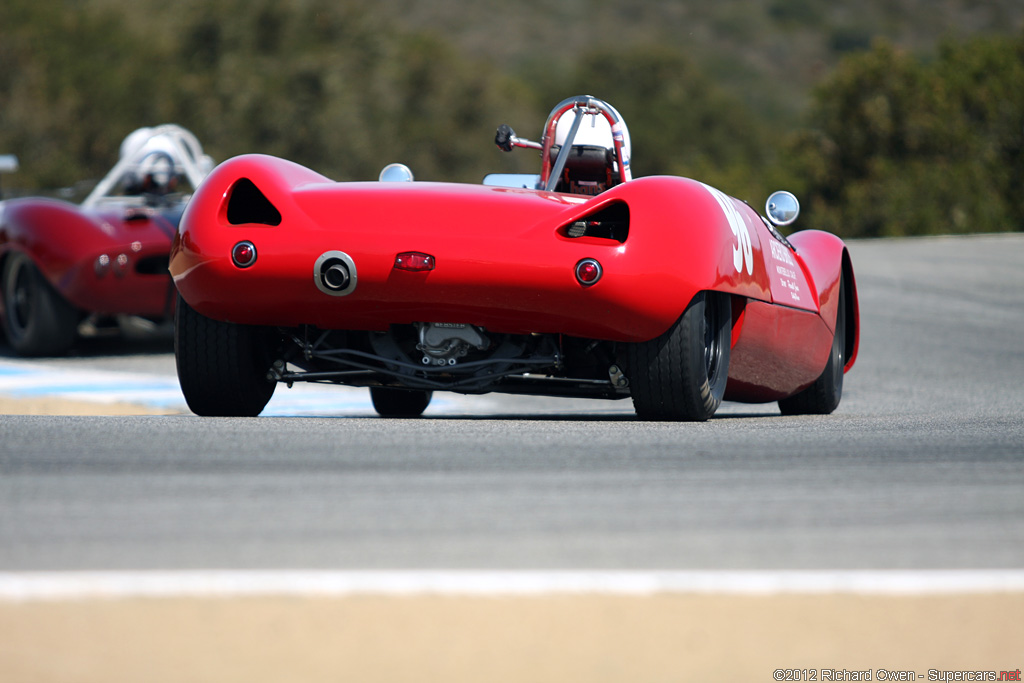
(414, 261)
(243, 254)
(588, 271)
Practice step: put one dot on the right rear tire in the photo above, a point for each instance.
(681, 375)
(222, 367)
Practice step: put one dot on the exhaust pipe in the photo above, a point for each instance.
(334, 273)
(335, 276)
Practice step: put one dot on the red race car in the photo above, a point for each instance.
(66, 268)
(577, 282)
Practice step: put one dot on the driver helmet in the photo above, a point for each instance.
(591, 167)
(156, 158)
(594, 131)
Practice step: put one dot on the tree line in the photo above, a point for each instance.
(891, 144)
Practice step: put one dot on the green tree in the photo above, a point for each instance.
(330, 85)
(73, 83)
(899, 147)
(985, 77)
(335, 88)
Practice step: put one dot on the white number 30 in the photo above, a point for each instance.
(742, 251)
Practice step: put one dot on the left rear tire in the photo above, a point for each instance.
(222, 367)
(391, 402)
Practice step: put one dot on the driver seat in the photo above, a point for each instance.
(589, 169)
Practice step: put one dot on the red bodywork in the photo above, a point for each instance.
(504, 260)
(65, 242)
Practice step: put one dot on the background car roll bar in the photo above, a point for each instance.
(188, 158)
(581, 105)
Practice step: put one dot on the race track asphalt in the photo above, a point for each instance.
(921, 468)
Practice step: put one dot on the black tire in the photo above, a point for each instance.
(822, 397)
(37, 320)
(391, 402)
(222, 367)
(682, 374)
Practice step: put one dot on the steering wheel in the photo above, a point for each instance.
(154, 192)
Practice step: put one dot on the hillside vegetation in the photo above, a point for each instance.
(898, 117)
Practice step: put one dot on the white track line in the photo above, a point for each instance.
(92, 585)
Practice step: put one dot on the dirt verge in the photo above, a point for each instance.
(48, 405)
(674, 637)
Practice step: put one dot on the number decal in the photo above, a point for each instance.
(743, 250)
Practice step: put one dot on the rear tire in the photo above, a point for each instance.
(822, 397)
(37, 320)
(682, 374)
(222, 367)
(391, 402)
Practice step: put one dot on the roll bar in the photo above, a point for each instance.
(580, 105)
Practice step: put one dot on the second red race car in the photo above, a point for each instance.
(67, 268)
(579, 281)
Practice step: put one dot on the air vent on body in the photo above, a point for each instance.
(248, 205)
(611, 222)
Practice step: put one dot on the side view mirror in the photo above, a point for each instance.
(396, 173)
(505, 138)
(8, 164)
(782, 208)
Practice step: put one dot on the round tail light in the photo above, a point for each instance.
(588, 272)
(243, 254)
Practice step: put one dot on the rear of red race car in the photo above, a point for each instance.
(413, 287)
(261, 245)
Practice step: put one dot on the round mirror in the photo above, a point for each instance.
(396, 173)
(782, 208)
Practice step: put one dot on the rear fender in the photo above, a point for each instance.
(686, 237)
(826, 260)
(271, 181)
(49, 232)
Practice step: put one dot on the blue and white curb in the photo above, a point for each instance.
(27, 379)
(32, 380)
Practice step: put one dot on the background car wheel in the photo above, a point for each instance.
(822, 397)
(222, 367)
(37, 320)
(681, 375)
(390, 402)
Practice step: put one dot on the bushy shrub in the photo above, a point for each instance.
(902, 147)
